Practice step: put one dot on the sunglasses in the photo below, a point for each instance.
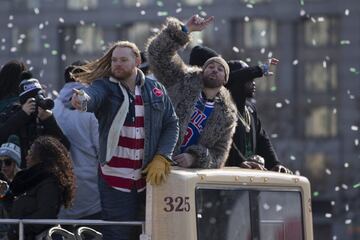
(7, 162)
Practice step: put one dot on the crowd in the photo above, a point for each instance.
(120, 122)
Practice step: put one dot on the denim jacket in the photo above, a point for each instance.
(160, 123)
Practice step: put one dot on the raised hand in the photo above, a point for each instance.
(197, 23)
(266, 66)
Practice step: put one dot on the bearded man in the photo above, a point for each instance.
(207, 114)
(138, 130)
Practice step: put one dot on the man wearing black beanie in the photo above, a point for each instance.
(28, 120)
(251, 147)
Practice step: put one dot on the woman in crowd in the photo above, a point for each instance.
(40, 190)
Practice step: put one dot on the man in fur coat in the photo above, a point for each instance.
(207, 114)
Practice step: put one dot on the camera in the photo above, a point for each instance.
(44, 102)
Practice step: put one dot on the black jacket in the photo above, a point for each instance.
(13, 120)
(37, 194)
(261, 144)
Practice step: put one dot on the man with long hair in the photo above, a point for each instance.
(138, 130)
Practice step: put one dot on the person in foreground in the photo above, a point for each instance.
(40, 190)
(138, 129)
(207, 114)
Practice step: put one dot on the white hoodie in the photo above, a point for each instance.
(81, 128)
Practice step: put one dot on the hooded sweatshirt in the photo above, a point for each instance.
(81, 128)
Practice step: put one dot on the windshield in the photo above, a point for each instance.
(244, 214)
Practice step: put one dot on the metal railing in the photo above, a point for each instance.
(22, 222)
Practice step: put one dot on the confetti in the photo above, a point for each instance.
(162, 13)
(344, 42)
(354, 128)
(353, 70)
(235, 49)
(348, 221)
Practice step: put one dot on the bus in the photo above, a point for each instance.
(229, 204)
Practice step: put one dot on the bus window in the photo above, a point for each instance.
(234, 213)
(222, 214)
(280, 215)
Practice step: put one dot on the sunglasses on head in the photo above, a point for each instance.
(7, 162)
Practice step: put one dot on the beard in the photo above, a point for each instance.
(212, 82)
(120, 75)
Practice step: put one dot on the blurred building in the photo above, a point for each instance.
(310, 107)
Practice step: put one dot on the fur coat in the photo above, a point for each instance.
(184, 85)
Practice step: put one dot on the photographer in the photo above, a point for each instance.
(30, 117)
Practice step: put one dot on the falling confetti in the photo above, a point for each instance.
(356, 185)
(344, 42)
(353, 70)
(159, 3)
(347, 12)
(354, 128)
(328, 215)
(316, 194)
(249, 5)
(162, 13)
(235, 49)
(348, 221)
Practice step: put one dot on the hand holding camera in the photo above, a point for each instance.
(29, 107)
(33, 99)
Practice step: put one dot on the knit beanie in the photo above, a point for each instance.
(11, 149)
(200, 54)
(220, 61)
(29, 87)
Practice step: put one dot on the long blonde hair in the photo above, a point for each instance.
(101, 67)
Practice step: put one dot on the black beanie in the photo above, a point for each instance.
(29, 87)
(234, 66)
(200, 54)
